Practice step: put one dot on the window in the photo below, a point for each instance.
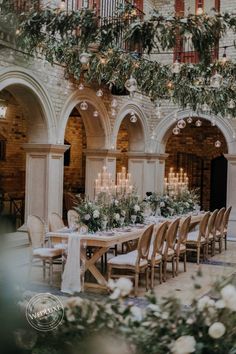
(67, 155)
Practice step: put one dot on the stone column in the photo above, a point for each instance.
(44, 179)
(231, 193)
(147, 171)
(95, 160)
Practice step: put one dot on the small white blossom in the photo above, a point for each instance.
(220, 304)
(117, 216)
(125, 285)
(87, 217)
(162, 204)
(74, 302)
(96, 214)
(205, 302)
(184, 345)
(228, 294)
(136, 313)
(136, 208)
(217, 330)
(116, 202)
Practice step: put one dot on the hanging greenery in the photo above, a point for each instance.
(62, 37)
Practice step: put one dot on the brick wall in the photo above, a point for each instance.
(123, 146)
(194, 150)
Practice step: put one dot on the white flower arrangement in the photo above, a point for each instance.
(184, 345)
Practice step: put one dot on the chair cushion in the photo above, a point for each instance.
(170, 251)
(62, 246)
(182, 247)
(158, 256)
(193, 237)
(127, 259)
(48, 252)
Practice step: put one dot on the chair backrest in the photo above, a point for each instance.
(69, 200)
(219, 219)
(203, 225)
(72, 218)
(159, 239)
(183, 231)
(55, 222)
(171, 235)
(226, 217)
(144, 244)
(211, 229)
(36, 231)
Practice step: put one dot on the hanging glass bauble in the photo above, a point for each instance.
(131, 84)
(113, 112)
(62, 5)
(176, 130)
(99, 93)
(95, 114)
(198, 123)
(216, 80)
(176, 67)
(83, 106)
(181, 124)
(114, 103)
(205, 107)
(81, 86)
(84, 58)
(231, 104)
(189, 120)
(217, 144)
(133, 118)
(213, 123)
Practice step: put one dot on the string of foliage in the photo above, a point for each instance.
(61, 37)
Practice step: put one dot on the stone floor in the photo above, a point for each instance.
(221, 265)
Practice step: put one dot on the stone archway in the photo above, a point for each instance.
(37, 109)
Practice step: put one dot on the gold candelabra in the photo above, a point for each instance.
(176, 183)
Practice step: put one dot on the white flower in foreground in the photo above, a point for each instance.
(205, 302)
(117, 217)
(96, 214)
(216, 330)
(136, 313)
(136, 208)
(125, 285)
(220, 304)
(87, 217)
(228, 294)
(162, 204)
(184, 345)
(73, 302)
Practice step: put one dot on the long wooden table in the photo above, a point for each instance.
(103, 242)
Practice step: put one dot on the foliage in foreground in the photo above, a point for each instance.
(116, 326)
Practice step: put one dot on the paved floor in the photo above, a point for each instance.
(221, 265)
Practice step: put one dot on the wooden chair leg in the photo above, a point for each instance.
(109, 272)
(136, 281)
(50, 271)
(225, 241)
(160, 272)
(30, 269)
(164, 270)
(152, 276)
(177, 266)
(198, 254)
(173, 267)
(220, 244)
(44, 270)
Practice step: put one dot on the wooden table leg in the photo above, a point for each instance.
(90, 264)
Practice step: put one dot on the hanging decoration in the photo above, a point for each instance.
(87, 48)
(218, 144)
(181, 124)
(81, 86)
(99, 93)
(3, 109)
(198, 123)
(83, 106)
(95, 114)
(176, 131)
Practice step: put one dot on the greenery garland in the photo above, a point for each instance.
(62, 37)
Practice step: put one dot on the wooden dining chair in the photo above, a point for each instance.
(135, 261)
(219, 233)
(155, 252)
(180, 246)
(168, 253)
(55, 222)
(40, 253)
(225, 224)
(210, 233)
(196, 240)
(72, 218)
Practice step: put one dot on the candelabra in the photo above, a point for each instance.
(105, 184)
(176, 183)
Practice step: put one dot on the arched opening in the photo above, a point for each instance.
(197, 149)
(23, 123)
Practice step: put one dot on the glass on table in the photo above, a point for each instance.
(133, 219)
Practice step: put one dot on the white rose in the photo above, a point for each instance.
(74, 302)
(220, 304)
(154, 307)
(228, 294)
(136, 313)
(184, 345)
(117, 217)
(125, 285)
(205, 302)
(123, 212)
(96, 214)
(87, 217)
(162, 204)
(116, 202)
(217, 330)
(187, 205)
(136, 208)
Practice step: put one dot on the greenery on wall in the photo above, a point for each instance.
(62, 37)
